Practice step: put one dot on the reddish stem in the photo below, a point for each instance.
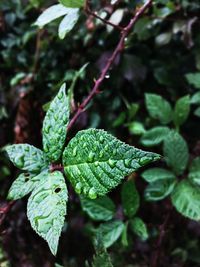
(119, 48)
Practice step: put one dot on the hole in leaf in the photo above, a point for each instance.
(57, 190)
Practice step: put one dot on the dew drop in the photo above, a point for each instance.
(144, 161)
(106, 148)
(26, 148)
(46, 149)
(92, 193)
(112, 163)
(46, 129)
(60, 130)
(55, 117)
(60, 95)
(78, 188)
(96, 163)
(127, 163)
(91, 156)
(101, 154)
(19, 161)
(34, 153)
(101, 139)
(85, 190)
(74, 153)
(82, 138)
(114, 152)
(84, 145)
(107, 76)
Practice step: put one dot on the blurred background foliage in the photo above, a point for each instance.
(161, 56)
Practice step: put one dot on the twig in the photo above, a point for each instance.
(94, 14)
(159, 242)
(119, 48)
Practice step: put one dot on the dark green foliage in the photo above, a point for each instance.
(150, 99)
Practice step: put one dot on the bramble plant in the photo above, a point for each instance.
(94, 162)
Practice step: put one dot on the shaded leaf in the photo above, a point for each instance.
(154, 136)
(186, 199)
(157, 174)
(159, 190)
(194, 171)
(130, 198)
(139, 228)
(182, 110)
(158, 108)
(176, 152)
(99, 209)
(110, 232)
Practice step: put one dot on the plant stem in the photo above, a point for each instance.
(159, 242)
(119, 48)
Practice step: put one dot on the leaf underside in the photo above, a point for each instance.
(95, 162)
(47, 208)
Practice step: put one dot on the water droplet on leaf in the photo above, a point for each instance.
(74, 153)
(91, 156)
(101, 139)
(144, 160)
(92, 193)
(19, 161)
(60, 95)
(112, 163)
(78, 188)
(127, 163)
(106, 148)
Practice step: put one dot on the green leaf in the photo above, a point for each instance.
(72, 3)
(158, 108)
(159, 190)
(139, 228)
(102, 258)
(24, 184)
(68, 22)
(157, 174)
(55, 125)
(47, 208)
(182, 110)
(194, 171)
(130, 198)
(186, 199)
(155, 136)
(110, 232)
(136, 128)
(95, 161)
(197, 112)
(50, 14)
(193, 79)
(27, 157)
(101, 209)
(195, 99)
(124, 236)
(176, 152)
